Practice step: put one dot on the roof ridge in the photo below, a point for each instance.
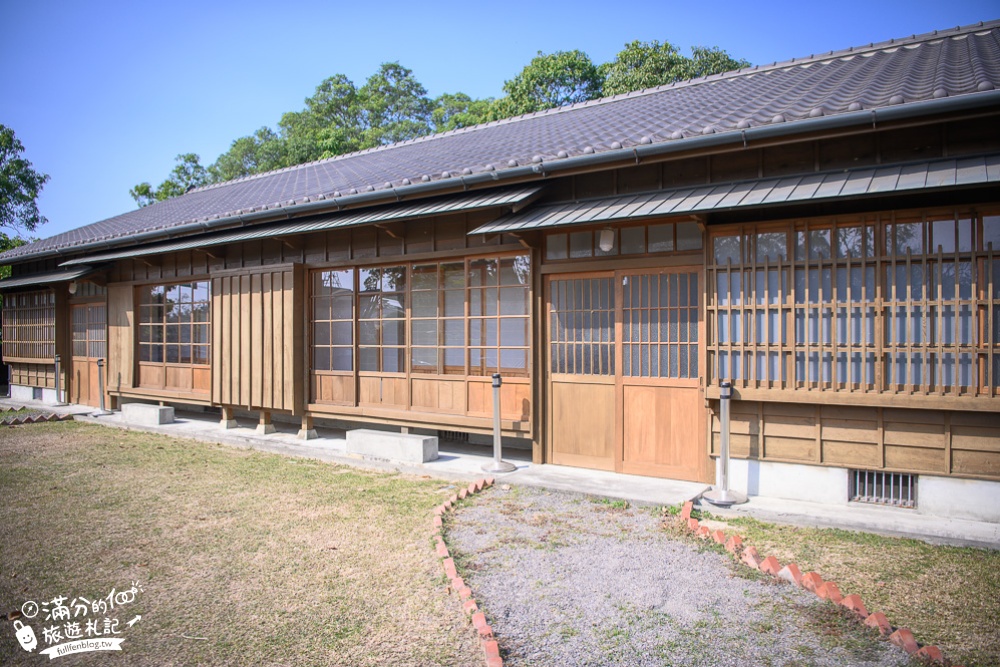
(745, 71)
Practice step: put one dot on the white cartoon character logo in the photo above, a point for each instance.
(26, 636)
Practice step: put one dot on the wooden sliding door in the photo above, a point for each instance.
(623, 373)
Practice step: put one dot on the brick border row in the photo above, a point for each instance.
(812, 582)
(488, 642)
(34, 419)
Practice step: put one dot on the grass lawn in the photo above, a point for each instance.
(243, 557)
(948, 596)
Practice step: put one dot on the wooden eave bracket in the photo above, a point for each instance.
(393, 230)
(520, 239)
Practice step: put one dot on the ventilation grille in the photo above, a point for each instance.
(884, 488)
(453, 436)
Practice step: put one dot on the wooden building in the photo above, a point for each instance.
(823, 233)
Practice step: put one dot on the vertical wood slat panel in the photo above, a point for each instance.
(255, 324)
(121, 345)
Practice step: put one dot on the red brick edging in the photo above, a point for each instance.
(812, 582)
(33, 419)
(491, 650)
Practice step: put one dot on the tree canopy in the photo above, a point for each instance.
(20, 185)
(392, 105)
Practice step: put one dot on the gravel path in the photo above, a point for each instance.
(570, 580)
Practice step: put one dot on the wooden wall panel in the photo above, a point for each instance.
(334, 389)
(962, 444)
(515, 400)
(33, 375)
(256, 334)
(438, 395)
(121, 342)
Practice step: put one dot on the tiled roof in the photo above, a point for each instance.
(961, 61)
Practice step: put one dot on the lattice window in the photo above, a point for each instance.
(382, 319)
(333, 320)
(660, 325)
(499, 339)
(174, 324)
(887, 303)
(582, 326)
(29, 325)
(90, 331)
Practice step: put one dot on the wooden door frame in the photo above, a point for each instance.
(698, 384)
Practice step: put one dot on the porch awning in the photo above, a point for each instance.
(515, 198)
(48, 278)
(931, 175)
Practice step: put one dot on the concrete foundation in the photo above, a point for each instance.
(958, 498)
(145, 414)
(24, 393)
(403, 447)
(942, 497)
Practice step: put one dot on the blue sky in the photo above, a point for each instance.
(104, 94)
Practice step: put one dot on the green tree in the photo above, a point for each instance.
(262, 151)
(648, 64)
(550, 80)
(189, 173)
(394, 106)
(329, 124)
(454, 110)
(20, 185)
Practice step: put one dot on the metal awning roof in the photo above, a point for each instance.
(769, 191)
(419, 209)
(47, 278)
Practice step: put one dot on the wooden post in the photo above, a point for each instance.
(228, 418)
(264, 426)
(308, 430)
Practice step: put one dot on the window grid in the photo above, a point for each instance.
(89, 331)
(29, 325)
(174, 324)
(467, 317)
(660, 325)
(582, 326)
(870, 304)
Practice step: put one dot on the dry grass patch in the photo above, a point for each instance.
(274, 560)
(948, 596)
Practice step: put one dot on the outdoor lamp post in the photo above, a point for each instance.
(721, 495)
(498, 464)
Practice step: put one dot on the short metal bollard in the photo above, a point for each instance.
(59, 395)
(721, 495)
(498, 464)
(100, 389)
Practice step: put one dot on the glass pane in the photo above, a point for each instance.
(819, 243)
(991, 232)
(453, 275)
(368, 333)
(341, 359)
(425, 304)
(393, 332)
(368, 359)
(425, 332)
(513, 301)
(321, 333)
(581, 244)
(661, 238)
(688, 236)
(424, 359)
(454, 332)
(454, 303)
(425, 277)
(342, 308)
(342, 333)
(321, 358)
(513, 360)
(515, 270)
(726, 249)
(909, 237)
(483, 272)
(772, 246)
(200, 354)
(555, 246)
(514, 332)
(633, 240)
(943, 236)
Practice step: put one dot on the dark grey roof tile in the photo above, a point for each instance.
(961, 61)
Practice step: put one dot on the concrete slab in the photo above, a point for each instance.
(147, 414)
(402, 447)
(892, 521)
